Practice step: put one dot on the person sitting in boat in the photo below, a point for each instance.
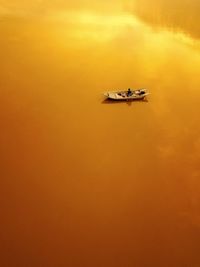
(129, 93)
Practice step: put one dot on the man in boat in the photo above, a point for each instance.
(129, 93)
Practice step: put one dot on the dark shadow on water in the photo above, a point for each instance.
(127, 102)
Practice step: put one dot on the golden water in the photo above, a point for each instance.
(90, 183)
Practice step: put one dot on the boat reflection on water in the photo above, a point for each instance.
(128, 101)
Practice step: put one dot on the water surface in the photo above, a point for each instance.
(85, 182)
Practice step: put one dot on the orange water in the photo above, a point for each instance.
(91, 183)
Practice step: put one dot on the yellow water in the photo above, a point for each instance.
(91, 183)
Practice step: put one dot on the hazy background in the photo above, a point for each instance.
(179, 15)
(85, 182)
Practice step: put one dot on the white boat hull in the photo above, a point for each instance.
(124, 95)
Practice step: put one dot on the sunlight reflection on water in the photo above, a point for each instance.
(87, 183)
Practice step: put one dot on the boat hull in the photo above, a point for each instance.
(124, 95)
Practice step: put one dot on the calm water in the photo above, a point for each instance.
(86, 183)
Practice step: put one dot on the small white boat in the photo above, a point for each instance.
(127, 95)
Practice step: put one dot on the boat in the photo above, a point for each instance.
(129, 94)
